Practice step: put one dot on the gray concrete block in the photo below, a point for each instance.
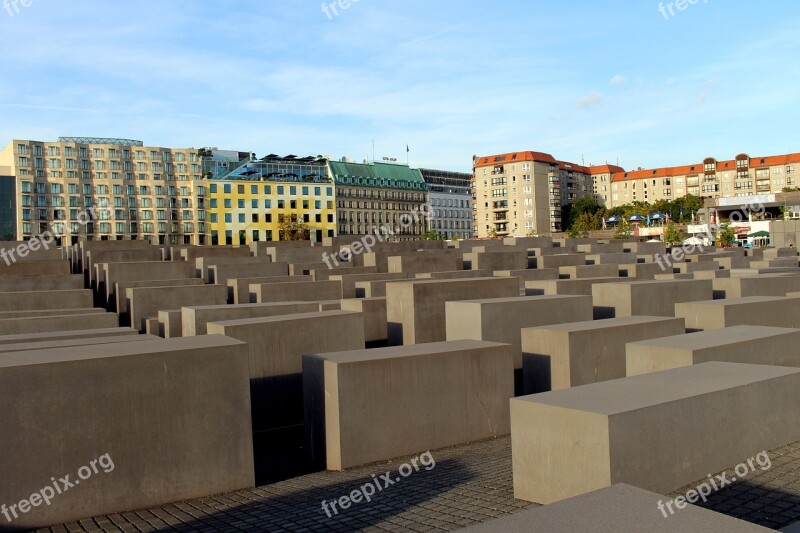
(66, 343)
(196, 318)
(738, 344)
(574, 287)
(42, 324)
(275, 347)
(752, 310)
(415, 263)
(638, 430)
(172, 416)
(42, 300)
(617, 509)
(418, 388)
(169, 324)
(220, 274)
(349, 281)
(416, 309)
(121, 294)
(502, 319)
(146, 302)
(40, 283)
(647, 298)
(589, 271)
(763, 285)
(373, 311)
(311, 291)
(565, 355)
(69, 334)
(142, 271)
(239, 288)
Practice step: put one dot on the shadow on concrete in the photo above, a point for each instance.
(752, 502)
(302, 509)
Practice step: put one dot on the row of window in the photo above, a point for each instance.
(227, 188)
(449, 202)
(119, 201)
(257, 218)
(105, 214)
(119, 227)
(99, 153)
(73, 188)
(86, 175)
(281, 204)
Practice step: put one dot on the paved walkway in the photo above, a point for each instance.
(468, 485)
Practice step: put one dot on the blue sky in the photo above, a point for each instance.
(603, 81)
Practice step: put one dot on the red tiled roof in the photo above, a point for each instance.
(605, 169)
(668, 172)
(513, 157)
(775, 160)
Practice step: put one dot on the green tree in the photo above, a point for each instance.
(432, 236)
(623, 230)
(292, 228)
(726, 235)
(673, 234)
(578, 208)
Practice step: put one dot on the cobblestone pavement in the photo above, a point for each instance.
(469, 484)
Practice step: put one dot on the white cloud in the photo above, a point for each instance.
(618, 80)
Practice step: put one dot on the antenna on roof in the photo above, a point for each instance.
(583, 161)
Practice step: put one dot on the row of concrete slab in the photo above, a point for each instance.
(236, 355)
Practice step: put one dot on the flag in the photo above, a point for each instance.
(407, 149)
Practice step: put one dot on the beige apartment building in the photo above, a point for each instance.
(521, 193)
(106, 189)
(712, 179)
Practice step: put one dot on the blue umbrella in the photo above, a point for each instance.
(658, 216)
(636, 218)
(613, 220)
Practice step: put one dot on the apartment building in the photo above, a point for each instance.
(711, 179)
(263, 200)
(106, 189)
(521, 193)
(450, 196)
(371, 196)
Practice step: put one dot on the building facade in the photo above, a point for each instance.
(521, 193)
(272, 199)
(712, 179)
(107, 189)
(371, 197)
(8, 205)
(450, 196)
